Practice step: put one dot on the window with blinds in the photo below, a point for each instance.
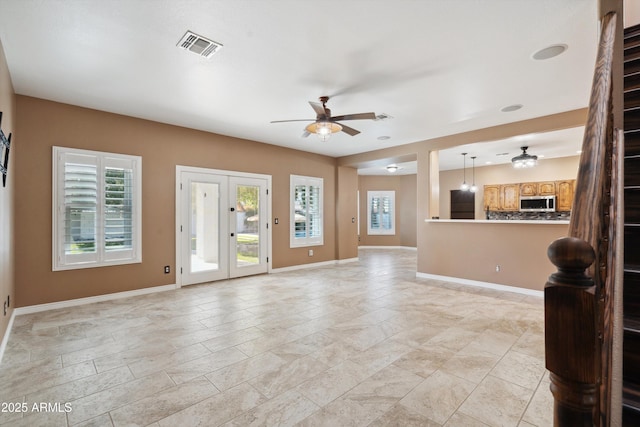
(306, 211)
(97, 209)
(381, 212)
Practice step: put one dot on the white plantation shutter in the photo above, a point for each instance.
(314, 212)
(97, 209)
(79, 214)
(306, 211)
(381, 212)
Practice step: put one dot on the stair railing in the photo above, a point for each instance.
(579, 330)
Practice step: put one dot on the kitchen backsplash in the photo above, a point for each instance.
(519, 216)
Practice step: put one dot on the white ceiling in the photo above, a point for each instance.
(437, 67)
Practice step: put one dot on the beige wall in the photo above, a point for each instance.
(473, 250)
(42, 124)
(405, 215)
(7, 107)
(407, 210)
(546, 170)
(631, 13)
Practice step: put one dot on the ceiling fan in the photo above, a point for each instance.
(325, 124)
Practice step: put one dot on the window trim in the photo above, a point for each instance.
(299, 242)
(381, 231)
(102, 258)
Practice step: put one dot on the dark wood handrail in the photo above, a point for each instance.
(579, 296)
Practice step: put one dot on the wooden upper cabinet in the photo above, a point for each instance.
(564, 194)
(529, 189)
(546, 188)
(491, 198)
(506, 197)
(510, 197)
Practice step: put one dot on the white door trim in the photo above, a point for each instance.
(178, 211)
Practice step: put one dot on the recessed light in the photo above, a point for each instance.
(510, 108)
(384, 137)
(549, 52)
(488, 163)
(579, 151)
(540, 156)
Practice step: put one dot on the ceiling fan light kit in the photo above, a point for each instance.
(323, 129)
(524, 160)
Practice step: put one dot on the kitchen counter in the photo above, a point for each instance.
(498, 221)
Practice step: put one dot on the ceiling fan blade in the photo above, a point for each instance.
(359, 116)
(305, 134)
(294, 120)
(349, 130)
(318, 108)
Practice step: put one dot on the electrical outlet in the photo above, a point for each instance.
(167, 269)
(310, 252)
(275, 221)
(497, 268)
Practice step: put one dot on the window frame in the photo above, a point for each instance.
(307, 181)
(101, 257)
(381, 195)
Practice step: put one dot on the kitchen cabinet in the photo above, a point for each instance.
(564, 194)
(510, 197)
(491, 198)
(529, 189)
(546, 188)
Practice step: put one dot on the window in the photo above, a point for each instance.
(96, 209)
(381, 211)
(306, 211)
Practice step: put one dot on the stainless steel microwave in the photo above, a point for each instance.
(538, 204)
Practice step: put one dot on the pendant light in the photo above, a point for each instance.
(464, 186)
(473, 187)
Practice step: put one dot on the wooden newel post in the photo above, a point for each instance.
(571, 333)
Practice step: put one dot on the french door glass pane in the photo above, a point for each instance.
(247, 225)
(205, 227)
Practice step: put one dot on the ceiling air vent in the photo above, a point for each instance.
(383, 116)
(199, 45)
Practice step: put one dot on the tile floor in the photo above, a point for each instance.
(363, 343)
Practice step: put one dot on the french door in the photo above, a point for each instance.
(222, 221)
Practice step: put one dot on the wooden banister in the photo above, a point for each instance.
(579, 297)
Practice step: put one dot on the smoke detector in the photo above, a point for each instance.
(199, 45)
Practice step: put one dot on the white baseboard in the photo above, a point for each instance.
(5, 339)
(303, 266)
(347, 260)
(88, 300)
(480, 284)
(409, 248)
